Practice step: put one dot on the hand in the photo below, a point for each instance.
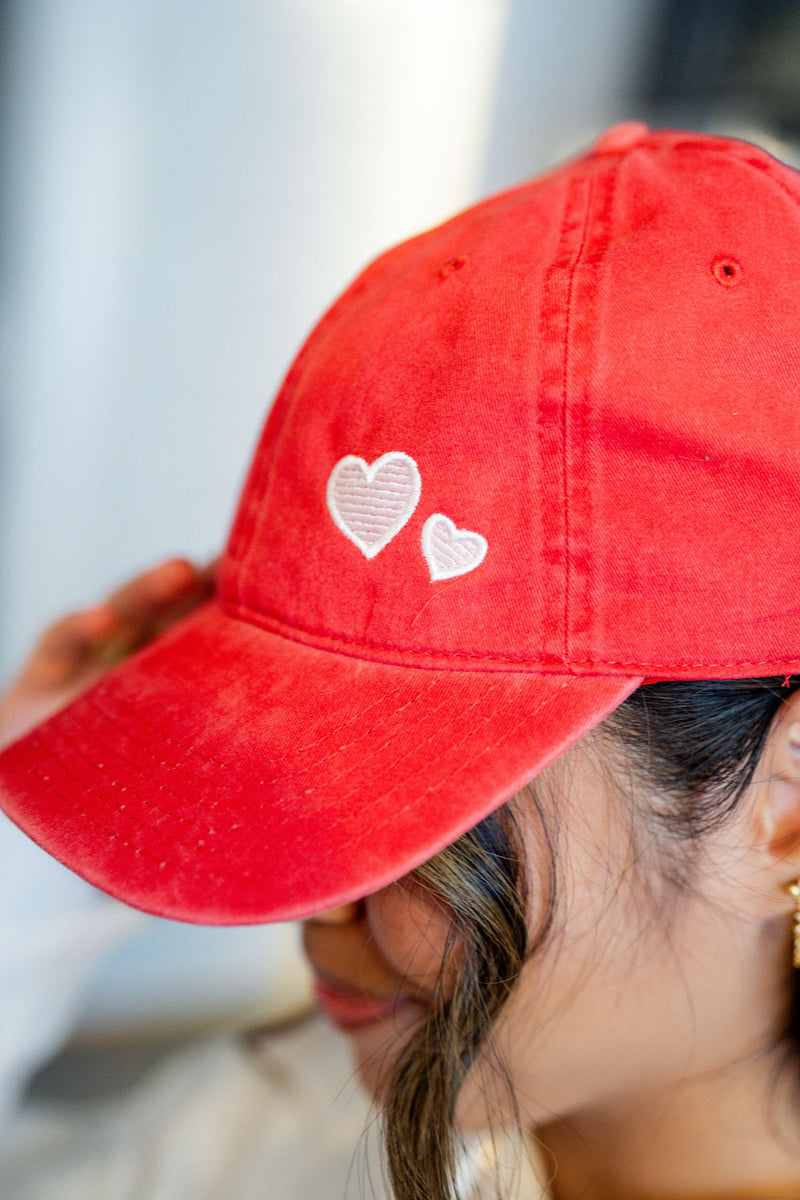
(77, 650)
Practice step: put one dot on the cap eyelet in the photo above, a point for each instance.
(727, 271)
(452, 265)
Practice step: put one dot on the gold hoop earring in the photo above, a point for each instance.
(794, 890)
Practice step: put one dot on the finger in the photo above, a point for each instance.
(181, 607)
(143, 597)
(154, 601)
(77, 630)
(67, 645)
(208, 576)
(96, 638)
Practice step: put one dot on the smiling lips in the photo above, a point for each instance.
(350, 1010)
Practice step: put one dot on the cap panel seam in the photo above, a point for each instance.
(574, 404)
(583, 324)
(565, 421)
(553, 335)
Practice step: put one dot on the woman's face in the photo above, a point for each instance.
(641, 985)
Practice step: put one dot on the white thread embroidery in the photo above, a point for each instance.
(449, 551)
(370, 503)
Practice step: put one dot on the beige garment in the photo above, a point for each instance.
(277, 1117)
(516, 1170)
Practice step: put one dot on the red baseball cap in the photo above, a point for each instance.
(527, 460)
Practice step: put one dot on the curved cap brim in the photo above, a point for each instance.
(228, 775)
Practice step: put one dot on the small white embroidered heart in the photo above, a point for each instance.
(450, 551)
(370, 503)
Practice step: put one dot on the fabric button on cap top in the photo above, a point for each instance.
(621, 137)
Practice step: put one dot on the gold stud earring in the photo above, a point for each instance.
(794, 890)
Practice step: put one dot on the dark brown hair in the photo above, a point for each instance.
(695, 747)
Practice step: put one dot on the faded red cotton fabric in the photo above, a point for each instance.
(595, 376)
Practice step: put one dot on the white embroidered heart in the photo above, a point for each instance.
(450, 551)
(370, 503)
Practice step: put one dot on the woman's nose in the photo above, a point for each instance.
(343, 914)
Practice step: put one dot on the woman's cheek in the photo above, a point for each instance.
(410, 932)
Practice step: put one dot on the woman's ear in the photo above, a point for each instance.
(778, 788)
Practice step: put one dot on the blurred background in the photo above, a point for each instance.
(186, 185)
